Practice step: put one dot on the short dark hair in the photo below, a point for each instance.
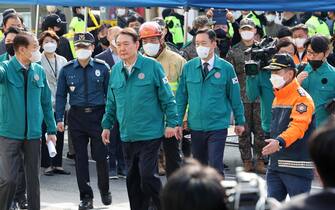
(22, 39)
(210, 32)
(10, 16)
(283, 32)
(130, 32)
(12, 30)
(319, 44)
(134, 18)
(50, 34)
(321, 149)
(194, 187)
(285, 43)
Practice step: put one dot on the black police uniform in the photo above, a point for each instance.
(87, 88)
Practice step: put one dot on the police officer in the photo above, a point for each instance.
(209, 86)
(141, 100)
(237, 57)
(25, 100)
(155, 47)
(318, 76)
(86, 81)
(290, 169)
(317, 25)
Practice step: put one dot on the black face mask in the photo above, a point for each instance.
(315, 64)
(10, 49)
(193, 31)
(220, 33)
(104, 41)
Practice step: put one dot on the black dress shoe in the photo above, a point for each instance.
(106, 199)
(86, 204)
(71, 156)
(23, 204)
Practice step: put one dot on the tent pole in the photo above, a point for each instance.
(85, 19)
(186, 9)
(37, 18)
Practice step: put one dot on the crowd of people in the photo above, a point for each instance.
(135, 92)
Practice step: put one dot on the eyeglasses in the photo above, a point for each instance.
(312, 53)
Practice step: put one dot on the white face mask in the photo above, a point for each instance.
(82, 11)
(299, 42)
(121, 12)
(203, 52)
(247, 35)
(270, 18)
(277, 81)
(258, 12)
(35, 56)
(83, 54)
(237, 14)
(151, 49)
(50, 47)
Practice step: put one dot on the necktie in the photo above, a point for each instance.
(205, 69)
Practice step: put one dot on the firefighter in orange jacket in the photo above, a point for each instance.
(290, 169)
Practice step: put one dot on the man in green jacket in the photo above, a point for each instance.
(210, 87)
(25, 100)
(141, 100)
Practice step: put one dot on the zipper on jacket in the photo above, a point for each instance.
(25, 78)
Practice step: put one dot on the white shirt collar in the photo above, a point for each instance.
(210, 62)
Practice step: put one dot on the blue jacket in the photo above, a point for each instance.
(72, 80)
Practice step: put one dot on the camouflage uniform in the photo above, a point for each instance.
(189, 51)
(237, 57)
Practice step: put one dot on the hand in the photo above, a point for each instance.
(185, 125)
(210, 13)
(272, 147)
(239, 129)
(170, 132)
(105, 136)
(302, 76)
(230, 16)
(179, 133)
(52, 138)
(60, 126)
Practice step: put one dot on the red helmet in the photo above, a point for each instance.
(150, 29)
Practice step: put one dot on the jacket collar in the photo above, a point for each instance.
(17, 65)
(76, 63)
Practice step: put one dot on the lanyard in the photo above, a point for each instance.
(54, 70)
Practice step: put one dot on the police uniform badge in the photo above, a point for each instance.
(97, 73)
(141, 76)
(301, 108)
(217, 75)
(72, 88)
(82, 37)
(36, 77)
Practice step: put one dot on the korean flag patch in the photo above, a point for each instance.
(234, 80)
(165, 80)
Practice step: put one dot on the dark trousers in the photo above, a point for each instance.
(116, 159)
(186, 144)
(143, 183)
(20, 193)
(281, 184)
(46, 160)
(172, 155)
(85, 128)
(11, 152)
(208, 147)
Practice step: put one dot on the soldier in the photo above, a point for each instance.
(86, 81)
(237, 57)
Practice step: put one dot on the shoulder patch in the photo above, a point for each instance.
(301, 92)
(165, 80)
(301, 108)
(68, 63)
(97, 60)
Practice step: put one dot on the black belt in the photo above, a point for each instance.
(87, 109)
